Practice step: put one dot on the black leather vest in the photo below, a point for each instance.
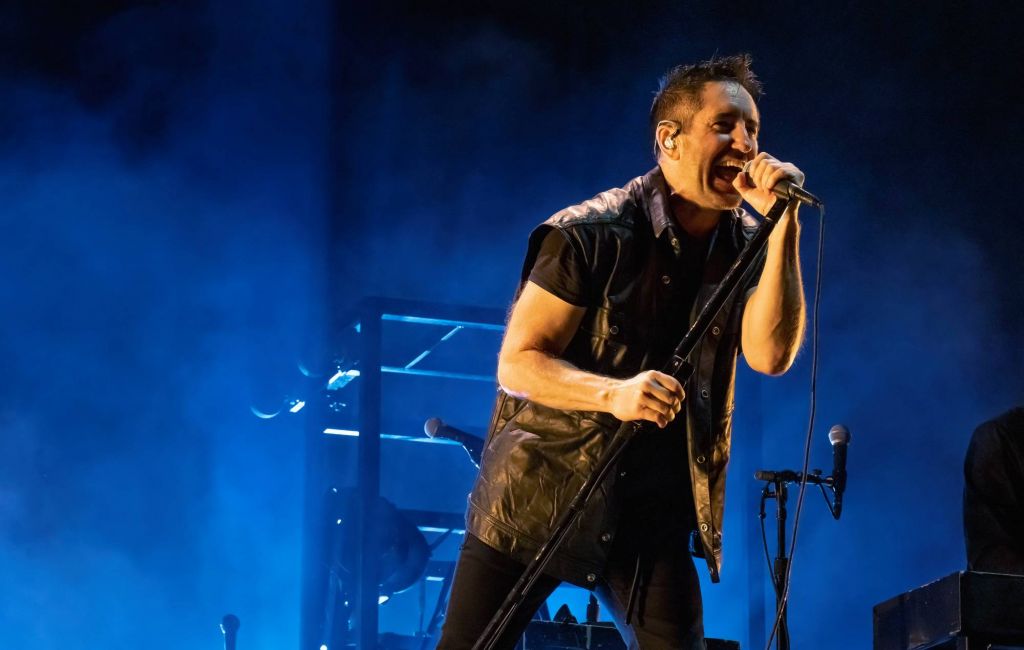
(536, 458)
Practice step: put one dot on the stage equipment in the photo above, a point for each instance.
(229, 627)
(839, 436)
(775, 488)
(787, 190)
(552, 635)
(286, 393)
(967, 610)
(402, 557)
(593, 609)
(474, 445)
(461, 343)
(404, 357)
(679, 368)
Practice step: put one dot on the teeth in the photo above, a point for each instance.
(731, 163)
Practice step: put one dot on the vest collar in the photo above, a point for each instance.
(655, 193)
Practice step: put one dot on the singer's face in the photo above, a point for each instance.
(721, 137)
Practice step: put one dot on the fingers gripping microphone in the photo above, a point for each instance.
(474, 446)
(839, 436)
(788, 190)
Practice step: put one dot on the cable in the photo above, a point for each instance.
(764, 541)
(824, 495)
(810, 428)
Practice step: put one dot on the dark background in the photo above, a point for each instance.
(196, 193)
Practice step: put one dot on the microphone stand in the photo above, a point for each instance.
(229, 626)
(775, 488)
(678, 368)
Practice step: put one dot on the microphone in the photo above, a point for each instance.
(839, 436)
(229, 626)
(474, 445)
(787, 189)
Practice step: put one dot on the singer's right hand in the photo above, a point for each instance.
(651, 396)
(756, 182)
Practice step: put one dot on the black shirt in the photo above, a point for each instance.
(654, 472)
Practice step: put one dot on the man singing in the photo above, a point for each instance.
(608, 289)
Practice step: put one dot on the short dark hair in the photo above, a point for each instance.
(682, 86)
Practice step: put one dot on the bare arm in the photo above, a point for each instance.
(774, 320)
(529, 366)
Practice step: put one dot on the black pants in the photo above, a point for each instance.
(667, 614)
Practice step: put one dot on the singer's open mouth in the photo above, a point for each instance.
(724, 173)
(727, 173)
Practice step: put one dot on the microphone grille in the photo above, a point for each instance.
(431, 426)
(839, 435)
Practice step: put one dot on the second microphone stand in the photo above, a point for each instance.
(776, 488)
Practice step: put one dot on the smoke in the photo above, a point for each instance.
(161, 268)
(166, 171)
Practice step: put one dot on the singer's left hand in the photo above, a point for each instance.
(765, 172)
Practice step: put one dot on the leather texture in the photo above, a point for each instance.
(536, 458)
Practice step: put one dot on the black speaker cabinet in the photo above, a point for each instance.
(963, 611)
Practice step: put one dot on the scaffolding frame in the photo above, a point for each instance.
(373, 311)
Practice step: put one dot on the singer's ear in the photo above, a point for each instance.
(665, 138)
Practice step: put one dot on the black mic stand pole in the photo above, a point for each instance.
(781, 565)
(678, 368)
(780, 568)
(229, 626)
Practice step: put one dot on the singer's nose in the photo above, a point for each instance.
(742, 138)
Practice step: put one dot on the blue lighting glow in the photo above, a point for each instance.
(390, 436)
(423, 355)
(442, 374)
(442, 321)
(341, 378)
(216, 238)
